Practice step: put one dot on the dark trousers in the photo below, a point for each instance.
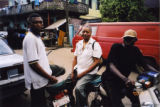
(117, 91)
(38, 97)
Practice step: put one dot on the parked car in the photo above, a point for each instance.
(11, 72)
(108, 33)
(3, 35)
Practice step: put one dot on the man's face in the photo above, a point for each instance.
(86, 33)
(37, 24)
(129, 40)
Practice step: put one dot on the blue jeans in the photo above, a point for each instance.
(80, 90)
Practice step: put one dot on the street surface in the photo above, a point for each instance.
(62, 57)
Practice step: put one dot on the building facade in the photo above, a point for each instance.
(51, 11)
(13, 17)
(94, 12)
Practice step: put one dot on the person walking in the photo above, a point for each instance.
(36, 66)
(86, 59)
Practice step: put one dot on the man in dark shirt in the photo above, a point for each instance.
(122, 60)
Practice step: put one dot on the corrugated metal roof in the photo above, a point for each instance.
(56, 24)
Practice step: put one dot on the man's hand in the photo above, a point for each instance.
(80, 75)
(129, 82)
(74, 76)
(53, 80)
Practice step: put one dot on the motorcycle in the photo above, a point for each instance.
(150, 96)
(60, 94)
(147, 87)
(97, 96)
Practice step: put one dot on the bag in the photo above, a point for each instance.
(101, 58)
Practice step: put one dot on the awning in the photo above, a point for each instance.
(93, 14)
(89, 17)
(56, 24)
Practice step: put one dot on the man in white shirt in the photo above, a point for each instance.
(36, 67)
(86, 58)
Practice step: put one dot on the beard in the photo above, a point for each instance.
(36, 30)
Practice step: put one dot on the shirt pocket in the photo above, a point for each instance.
(88, 51)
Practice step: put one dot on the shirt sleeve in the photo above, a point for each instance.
(97, 52)
(31, 50)
(140, 58)
(112, 56)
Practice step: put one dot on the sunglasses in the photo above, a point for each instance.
(37, 22)
(130, 39)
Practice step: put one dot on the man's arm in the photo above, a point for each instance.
(38, 69)
(119, 74)
(142, 62)
(151, 68)
(92, 66)
(73, 65)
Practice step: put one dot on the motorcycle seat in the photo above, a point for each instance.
(53, 88)
(96, 81)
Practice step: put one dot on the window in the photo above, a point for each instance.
(90, 3)
(94, 30)
(98, 4)
(4, 48)
(84, 1)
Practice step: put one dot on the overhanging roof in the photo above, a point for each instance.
(56, 24)
(93, 14)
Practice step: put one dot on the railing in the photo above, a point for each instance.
(54, 5)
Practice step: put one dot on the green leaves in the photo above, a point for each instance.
(71, 1)
(124, 10)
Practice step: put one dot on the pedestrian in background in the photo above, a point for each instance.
(86, 58)
(36, 66)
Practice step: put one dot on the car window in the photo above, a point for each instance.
(4, 48)
(94, 30)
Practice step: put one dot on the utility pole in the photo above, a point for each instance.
(48, 18)
(67, 14)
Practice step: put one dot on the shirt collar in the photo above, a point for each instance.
(33, 33)
(91, 40)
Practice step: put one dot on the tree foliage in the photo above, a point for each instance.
(124, 10)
